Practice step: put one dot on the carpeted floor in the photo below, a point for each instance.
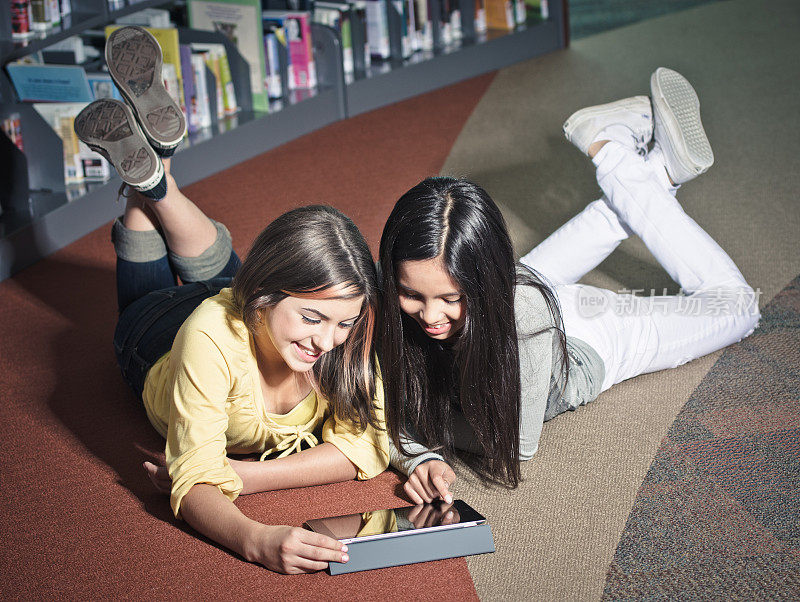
(717, 514)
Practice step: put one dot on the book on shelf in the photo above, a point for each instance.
(454, 20)
(12, 126)
(536, 10)
(297, 28)
(222, 71)
(338, 15)
(204, 117)
(500, 14)
(147, 17)
(80, 162)
(170, 79)
(212, 64)
(274, 37)
(378, 29)
(50, 83)
(70, 51)
(405, 8)
(41, 15)
(102, 86)
(358, 21)
(240, 22)
(423, 27)
(480, 16)
(189, 91)
(21, 19)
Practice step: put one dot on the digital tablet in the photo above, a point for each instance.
(395, 522)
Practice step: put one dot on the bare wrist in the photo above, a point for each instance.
(250, 545)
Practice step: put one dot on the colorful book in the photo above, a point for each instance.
(204, 119)
(423, 28)
(12, 126)
(297, 26)
(212, 62)
(500, 14)
(240, 22)
(273, 37)
(80, 162)
(378, 29)
(189, 93)
(338, 16)
(480, 16)
(223, 72)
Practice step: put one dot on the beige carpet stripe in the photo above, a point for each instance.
(557, 533)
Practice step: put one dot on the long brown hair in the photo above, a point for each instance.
(479, 372)
(304, 253)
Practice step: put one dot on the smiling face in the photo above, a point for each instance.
(301, 329)
(429, 294)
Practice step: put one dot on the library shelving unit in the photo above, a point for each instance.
(40, 214)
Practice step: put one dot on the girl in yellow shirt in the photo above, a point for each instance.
(273, 356)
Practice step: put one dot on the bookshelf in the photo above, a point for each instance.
(41, 215)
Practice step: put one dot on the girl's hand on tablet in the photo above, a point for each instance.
(430, 480)
(293, 550)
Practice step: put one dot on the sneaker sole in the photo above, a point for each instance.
(676, 111)
(134, 61)
(636, 104)
(108, 127)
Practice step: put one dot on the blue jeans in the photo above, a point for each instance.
(153, 307)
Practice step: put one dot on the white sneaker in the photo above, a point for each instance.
(635, 113)
(678, 129)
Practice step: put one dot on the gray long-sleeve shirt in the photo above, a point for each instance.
(541, 385)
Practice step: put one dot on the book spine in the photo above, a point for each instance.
(378, 29)
(520, 12)
(189, 93)
(13, 129)
(21, 19)
(39, 13)
(228, 92)
(273, 80)
(73, 168)
(300, 49)
(54, 17)
(213, 65)
(201, 89)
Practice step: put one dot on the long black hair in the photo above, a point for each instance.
(307, 252)
(478, 372)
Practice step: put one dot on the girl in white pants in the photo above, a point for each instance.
(632, 334)
(471, 346)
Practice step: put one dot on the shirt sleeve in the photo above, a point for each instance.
(196, 441)
(367, 450)
(407, 464)
(536, 338)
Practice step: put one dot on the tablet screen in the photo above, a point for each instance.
(397, 521)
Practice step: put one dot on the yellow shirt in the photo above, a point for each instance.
(205, 397)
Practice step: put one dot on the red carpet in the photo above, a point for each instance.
(79, 517)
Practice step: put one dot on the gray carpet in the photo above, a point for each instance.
(556, 535)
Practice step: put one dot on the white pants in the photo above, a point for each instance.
(638, 334)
